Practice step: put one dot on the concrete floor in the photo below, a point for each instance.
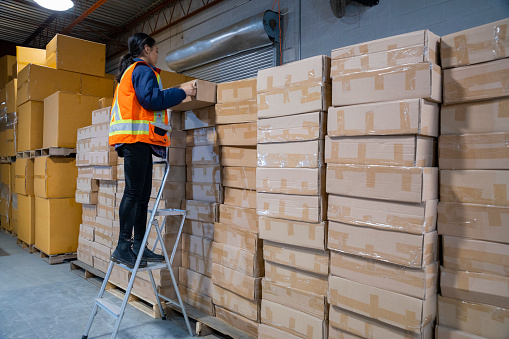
(38, 300)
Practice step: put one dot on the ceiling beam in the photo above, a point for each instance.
(46, 24)
(83, 16)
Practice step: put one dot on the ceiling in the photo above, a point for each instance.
(25, 23)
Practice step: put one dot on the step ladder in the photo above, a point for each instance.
(112, 308)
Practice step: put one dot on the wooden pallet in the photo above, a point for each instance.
(55, 152)
(6, 160)
(11, 233)
(25, 246)
(54, 259)
(25, 154)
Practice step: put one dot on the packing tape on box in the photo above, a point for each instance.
(245, 107)
(474, 87)
(474, 195)
(235, 86)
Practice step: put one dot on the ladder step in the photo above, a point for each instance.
(150, 266)
(108, 306)
(168, 212)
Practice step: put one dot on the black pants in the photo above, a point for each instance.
(138, 185)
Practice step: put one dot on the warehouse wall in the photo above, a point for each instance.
(322, 31)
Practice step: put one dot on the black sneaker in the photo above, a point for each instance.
(148, 255)
(124, 254)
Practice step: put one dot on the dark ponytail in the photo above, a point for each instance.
(136, 44)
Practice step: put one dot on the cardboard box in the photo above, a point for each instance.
(292, 207)
(310, 260)
(172, 79)
(308, 154)
(11, 90)
(239, 197)
(60, 127)
(359, 326)
(238, 237)
(477, 82)
(203, 174)
(450, 333)
(100, 130)
(87, 232)
(24, 176)
(238, 156)
(410, 250)
(485, 187)
(30, 125)
(473, 221)
(236, 91)
(26, 218)
(203, 155)
(176, 174)
(269, 332)
(201, 210)
(205, 96)
(237, 321)
(84, 133)
(55, 177)
(86, 197)
(300, 127)
(405, 150)
(57, 223)
(195, 281)
(38, 82)
(475, 117)
(25, 56)
(242, 306)
(89, 211)
(411, 116)
(236, 282)
(197, 245)
(238, 259)
(104, 172)
(204, 192)
(237, 134)
(101, 116)
(475, 318)
(298, 87)
(392, 308)
(197, 264)
(76, 55)
(237, 112)
(474, 151)
(418, 283)
(103, 158)
(202, 302)
(171, 190)
(199, 228)
(475, 45)
(106, 199)
(97, 86)
(310, 235)
(100, 251)
(84, 253)
(83, 146)
(240, 177)
(483, 288)
(394, 183)
(199, 118)
(291, 277)
(421, 80)
(105, 102)
(245, 218)
(162, 278)
(201, 137)
(7, 69)
(462, 254)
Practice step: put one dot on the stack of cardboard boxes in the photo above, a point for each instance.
(291, 201)
(236, 251)
(383, 187)
(474, 173)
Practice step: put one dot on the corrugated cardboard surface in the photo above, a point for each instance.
(418, 283)
(239, 197)
(475, 287)
(335, 333)
(24, 176)
(197, 245)
(241, 217)
(474, 151)
(97, 86)
(203, 155)
(55, 177)
(199, 228)
(307, 154)
(103, 158)
(303, 181)
(11, 89)
(475, 45)
(485, 187)
(365, 327)
(205, 96)
(26, 218)
(310, 235)
(299, 127)
(197, 300)
(231, 301)
(237, 321)
(409, 150)
(101, 116)
(298, 87)
(237, 134)
(238, 156)
(199, 118)
(394, 183)
(24, 56)
(475, 318)
(420, 80)
(197, 264)
(292, 207)
(201, 211)
(201, 137)
(236, 112)
(450, 333)
(269, 332)
(235, 91)
(30, 121)
(171, 190)
(176, 174)
(204, 192)
(477, 82)
(204, 174)
(306, 259)
(195, 281)
(236, 282)
(410, 250)
(475, 117)
(291, 277)
(464, 254)
(240, 177)
(236, 236)
(412, 116)
(238, 259)
(473, 221)
(392, 308)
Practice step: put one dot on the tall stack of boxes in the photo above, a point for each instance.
(291, 201)
(237, 265)
(474, 174)
(383, 187)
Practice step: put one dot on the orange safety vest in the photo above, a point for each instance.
(130, 122)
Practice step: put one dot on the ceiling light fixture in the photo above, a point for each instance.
(56, 5)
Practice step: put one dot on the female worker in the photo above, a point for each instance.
(139, 102)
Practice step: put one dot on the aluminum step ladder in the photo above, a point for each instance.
(112, 308)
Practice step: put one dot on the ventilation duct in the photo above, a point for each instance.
(254, 32)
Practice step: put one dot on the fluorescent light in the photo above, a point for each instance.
(56, 5)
